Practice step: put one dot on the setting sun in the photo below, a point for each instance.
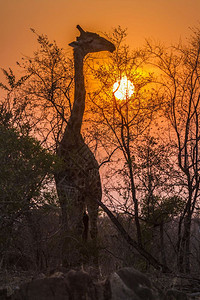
(123, 88)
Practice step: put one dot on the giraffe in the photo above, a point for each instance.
(78, 183)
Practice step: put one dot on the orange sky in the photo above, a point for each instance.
(164, 20)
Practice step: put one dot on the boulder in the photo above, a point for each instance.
(130, 284)
(81, 285)
(174, 294)
(125, 284)
(74, 285)
(43, 289)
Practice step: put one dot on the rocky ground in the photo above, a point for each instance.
(124, 284)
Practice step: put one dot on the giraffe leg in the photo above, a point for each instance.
(72, 213)
(86, 226)
(93, 218)
(94, 187)
(77, 216)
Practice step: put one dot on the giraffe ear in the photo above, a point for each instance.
(73, 44)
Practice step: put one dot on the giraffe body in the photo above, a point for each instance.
(78, 183)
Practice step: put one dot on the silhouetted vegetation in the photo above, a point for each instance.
(147, 147)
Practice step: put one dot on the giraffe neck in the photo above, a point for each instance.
(75, 121)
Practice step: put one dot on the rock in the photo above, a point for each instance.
(130, 284)
(43, 289)
(57, 275)
(81, 285)
(74, 285)
(125, 284)
(119, 290)
(175, 295)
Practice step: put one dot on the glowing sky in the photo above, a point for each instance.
(164, 20)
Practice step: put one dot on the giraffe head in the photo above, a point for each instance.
(89, 42)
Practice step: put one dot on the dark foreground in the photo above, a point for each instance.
(124, 284)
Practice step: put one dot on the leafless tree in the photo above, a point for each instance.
(118, 126)
(179, 86)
